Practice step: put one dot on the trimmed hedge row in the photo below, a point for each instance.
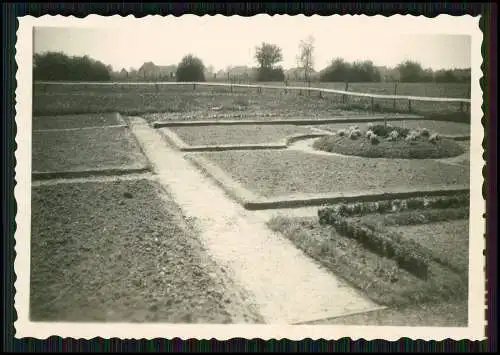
(362, 208)
(406, 253)
(411, 218)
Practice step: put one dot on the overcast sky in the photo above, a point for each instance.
(230, 41)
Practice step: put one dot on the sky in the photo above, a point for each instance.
(231, 41)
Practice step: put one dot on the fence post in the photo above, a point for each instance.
(157, 87)
(461, 106)
(194, 86)
(395, 93)
(372, 102)
(409, 105)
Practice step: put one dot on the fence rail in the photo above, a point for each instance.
(278, 87)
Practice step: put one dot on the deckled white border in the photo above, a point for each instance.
(443, 24)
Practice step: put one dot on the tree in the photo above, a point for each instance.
(268, 55)
(190, 68)
(57, 66)
(410, 72)
(305, 57)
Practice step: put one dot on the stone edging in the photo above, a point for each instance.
(177, 142)
(46, 175)
(291, 121)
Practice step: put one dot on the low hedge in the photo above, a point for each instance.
(396, 205)
(406, 253)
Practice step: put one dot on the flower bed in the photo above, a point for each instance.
(442, 127)
(362, 208)
(387, 141)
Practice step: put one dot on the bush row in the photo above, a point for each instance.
(395, 205)
(406, 253)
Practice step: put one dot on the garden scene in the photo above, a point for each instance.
(202, 200)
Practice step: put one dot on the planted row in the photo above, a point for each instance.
(396, 205)
(406, 253)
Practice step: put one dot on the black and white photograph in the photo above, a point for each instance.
(265, 176)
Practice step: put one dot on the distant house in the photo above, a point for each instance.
(123, 74)
(150, 71)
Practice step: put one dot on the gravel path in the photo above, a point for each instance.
(286, 286)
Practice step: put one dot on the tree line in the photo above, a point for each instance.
(54, 66)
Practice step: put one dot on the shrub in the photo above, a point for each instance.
(424, 132)
(190, 68)
(384, 131)
(341, 132)
(407, 253)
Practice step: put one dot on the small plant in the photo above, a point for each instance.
(434, 138)
(374, 139)
(370, 126)
(424, 132)
(341, 132)
(354, 134)
(394, 135)
(369, 133)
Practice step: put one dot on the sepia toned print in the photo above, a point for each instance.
(270, 177)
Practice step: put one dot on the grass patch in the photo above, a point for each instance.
(387, 141)
(118, 252)
(103, 148)
(286, 172)
(240, 134)
(75, 121)
(378, 277)
(446, 241)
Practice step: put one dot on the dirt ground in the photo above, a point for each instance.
(121, 251)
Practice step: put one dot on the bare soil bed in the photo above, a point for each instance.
(240, 134)
(100, 148)
(421, 148)
(121, 252)
(380, 278)
(75, 121)
(441, 127)
(285, 172)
